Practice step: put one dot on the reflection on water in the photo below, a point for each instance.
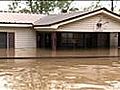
(49, 53)
(60, 74)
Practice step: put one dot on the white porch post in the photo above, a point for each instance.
(113, 39)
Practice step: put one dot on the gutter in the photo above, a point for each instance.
(14, 24)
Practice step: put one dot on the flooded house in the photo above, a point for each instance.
(95, 29)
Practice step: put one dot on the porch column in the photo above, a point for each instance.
(54, 40)
(113, 39)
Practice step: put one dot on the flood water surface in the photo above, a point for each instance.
(58, 53)
(60, 74)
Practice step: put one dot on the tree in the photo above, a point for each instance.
(40, 6)
(93, 6)
(15, 5)
(98, 4)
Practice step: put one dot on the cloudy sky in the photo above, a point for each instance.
(4, 5)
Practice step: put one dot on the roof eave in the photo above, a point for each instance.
(16, 25)
(46, 27)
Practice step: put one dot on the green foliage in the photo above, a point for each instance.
(93, 6)
(14, 6)
(98, 4)
(40, 6)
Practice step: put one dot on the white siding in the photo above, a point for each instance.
(89, 24)
(24, 37)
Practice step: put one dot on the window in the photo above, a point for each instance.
(67, 37)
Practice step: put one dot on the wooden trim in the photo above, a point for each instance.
(15, 25)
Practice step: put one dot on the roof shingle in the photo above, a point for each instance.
(19, 17)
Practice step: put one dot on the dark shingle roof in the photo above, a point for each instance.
(58, 18)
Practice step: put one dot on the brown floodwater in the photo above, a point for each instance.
(60, 74)
(32, 52)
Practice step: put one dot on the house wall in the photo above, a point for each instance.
(24, 37)
(110, 24)
(89, 24)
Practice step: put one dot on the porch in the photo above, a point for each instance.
(73, 40)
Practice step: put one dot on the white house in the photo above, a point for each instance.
(95, 29)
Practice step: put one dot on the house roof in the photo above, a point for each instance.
(59, 18)
(48, 21)
(19, 18)
(53, 18)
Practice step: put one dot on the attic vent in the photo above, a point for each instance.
(100, 24)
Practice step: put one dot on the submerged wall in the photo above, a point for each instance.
(24, 37)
